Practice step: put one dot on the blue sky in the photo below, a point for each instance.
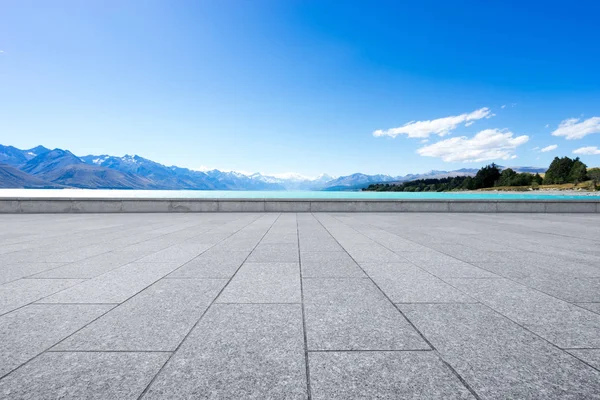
(304, 86)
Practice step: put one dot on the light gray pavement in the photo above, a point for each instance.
(300, 306)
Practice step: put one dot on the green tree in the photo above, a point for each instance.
(559, 171)
(487, 176)
(506, 177)
(594, 175)
(578, 171)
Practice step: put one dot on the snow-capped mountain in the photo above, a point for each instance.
(42, 167)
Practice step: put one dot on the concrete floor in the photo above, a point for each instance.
(321, 306)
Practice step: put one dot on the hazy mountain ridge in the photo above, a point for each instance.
(40, 167)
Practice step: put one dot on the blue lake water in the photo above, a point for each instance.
(230, 194)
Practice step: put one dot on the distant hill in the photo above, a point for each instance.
(93, 177)
(49, 162)
(11, 177)
(356, 181)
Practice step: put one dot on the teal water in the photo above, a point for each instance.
(228, 194)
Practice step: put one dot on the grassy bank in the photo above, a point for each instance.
(587, 185)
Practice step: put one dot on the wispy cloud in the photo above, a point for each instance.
(573, 129)
(590, 150)
(489, 144)
(549, 148)
(2, 52)
(440, 126)
(503, 106)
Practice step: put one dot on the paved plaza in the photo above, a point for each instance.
(300, 306)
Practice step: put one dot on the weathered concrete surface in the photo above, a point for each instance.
(114, 205)
(307, 306)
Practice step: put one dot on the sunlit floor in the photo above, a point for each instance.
(321, 306)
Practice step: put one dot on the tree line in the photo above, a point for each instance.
(561, 170)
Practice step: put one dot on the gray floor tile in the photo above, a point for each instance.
(177, 253)
(24, 291)
(372, 254)
(498, 358)
(269, 253)
(27, 332)
(106, 376)
(212, 264)
(257, 350)
(590, 356)
(574, 290)
(91, 267)
(156, 319)
(559, 322)
(114, 286)
(329, 264)
(264, 283)
(352, 314)
(442, 266)
(239, 351)
(405, 283)
(383, 375)
(12, 272)
(595, 307)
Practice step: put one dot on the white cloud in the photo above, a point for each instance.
(503, 106)
(590, 150)
(489, 144)
(440, 126)
(424, 141)
(573, 129)
(469, 123)
(549, 148)
(536, 148)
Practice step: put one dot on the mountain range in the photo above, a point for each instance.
(40, 167)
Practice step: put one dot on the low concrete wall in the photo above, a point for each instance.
(79, 205)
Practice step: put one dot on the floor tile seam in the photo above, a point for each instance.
(372, 351)
(48, 348)
(143, 393)
(208, 278)
(109, 351)
(437, 302)
(334, 277)
(303, 308)
(427, 341)
(580, 348)
(75, 303)
(259, 303)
